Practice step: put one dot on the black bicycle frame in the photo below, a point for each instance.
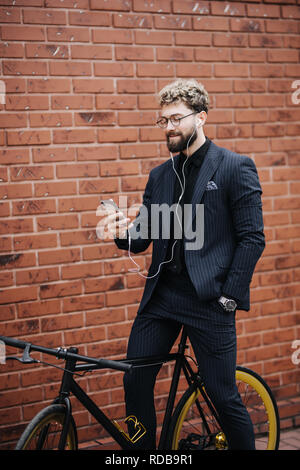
(69, 385)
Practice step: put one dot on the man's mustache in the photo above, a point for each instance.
(173, 134)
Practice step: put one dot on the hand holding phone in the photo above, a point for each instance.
(115, 224)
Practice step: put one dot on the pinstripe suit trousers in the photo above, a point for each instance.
(212, 334)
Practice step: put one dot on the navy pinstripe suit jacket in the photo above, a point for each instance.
(233, 226)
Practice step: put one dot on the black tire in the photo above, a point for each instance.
(188, 430)
(43, 431)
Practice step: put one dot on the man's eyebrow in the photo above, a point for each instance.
(171, 115)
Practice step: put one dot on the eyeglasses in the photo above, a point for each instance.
(174, 119)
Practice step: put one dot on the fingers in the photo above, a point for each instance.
(114, 225)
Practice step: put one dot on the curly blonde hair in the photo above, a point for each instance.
(190, 92)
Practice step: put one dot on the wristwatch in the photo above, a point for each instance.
(228, 304)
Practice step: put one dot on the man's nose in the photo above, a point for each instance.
(170, 125)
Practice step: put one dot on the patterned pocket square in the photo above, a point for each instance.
(211, 185)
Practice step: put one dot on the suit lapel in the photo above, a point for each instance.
(211, 162)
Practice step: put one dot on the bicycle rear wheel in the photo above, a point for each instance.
(43, 432)
(194, 427)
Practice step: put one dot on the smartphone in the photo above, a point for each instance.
(109, 203)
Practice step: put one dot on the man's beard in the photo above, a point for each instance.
(180, 143)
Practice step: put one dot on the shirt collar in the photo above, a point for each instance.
(198, 155)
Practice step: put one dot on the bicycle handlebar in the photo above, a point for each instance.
(64, 353)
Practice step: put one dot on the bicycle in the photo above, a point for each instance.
(192, 424)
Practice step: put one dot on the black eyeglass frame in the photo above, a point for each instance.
(166, 120)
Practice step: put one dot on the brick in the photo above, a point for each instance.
(119, 168)
(153, 37)
(11, 50)
(73, 136)
(31, 172)
(280, 26)
(214, 55)
(116, 101)
(127, 20)
(114, 69)
(81, 270)
(266, 11)
(177, 54)
(141, 118)
(265, 40)
(72, 102)
(89, 18)
(103, 284)
(12, 120)
(85, 302)
(99, 186)
(191, 8)
(37, 276)
(135, 86)
(70, 68)
(247, 25)
(44, 51)
(59, 256)
(67, 34)
(22, 33)
(130, 296)
(57, 222)
(108, 152)
(28, 138)
(49, 85)
(42, 155)
(19, 294)
(230, 39)
(210, 24)
(26, 103)
(230, 9)
(134, 53)
(60, 290)
(16, 226)
(118, 135)
(61, 322)
(106, 118)
(21, 67)
(14, 191)
(159, 6)
(77, 170)
(231, 70)
(112, 37)
(50, 120)
(44, 16)
(103, 5)
(8, 15)
(34, 206)
(54, 189)
(91, 52)
(251, 115)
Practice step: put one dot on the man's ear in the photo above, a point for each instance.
(201, 118)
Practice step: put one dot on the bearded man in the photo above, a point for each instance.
(200, 289)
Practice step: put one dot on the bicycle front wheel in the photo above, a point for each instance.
(194, 426)
(43, 432)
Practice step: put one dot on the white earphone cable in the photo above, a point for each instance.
(182, 185)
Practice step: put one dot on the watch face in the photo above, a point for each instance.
(230, 304)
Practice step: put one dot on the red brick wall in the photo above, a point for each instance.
(78, 124)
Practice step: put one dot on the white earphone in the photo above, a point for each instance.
(178, 202)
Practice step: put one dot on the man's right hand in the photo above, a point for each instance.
(113, 225)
